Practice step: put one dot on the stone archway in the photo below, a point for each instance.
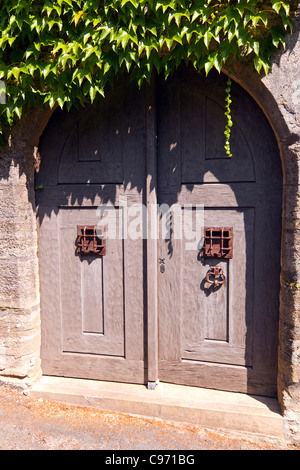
(277, 95)
(19, 295)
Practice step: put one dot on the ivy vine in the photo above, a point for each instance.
(229, 122)
(65, 52)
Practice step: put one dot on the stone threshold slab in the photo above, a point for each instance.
(234, 412)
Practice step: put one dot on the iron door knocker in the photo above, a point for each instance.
(215, 276)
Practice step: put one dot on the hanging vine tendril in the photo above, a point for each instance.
(229, 123)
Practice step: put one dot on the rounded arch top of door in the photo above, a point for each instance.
(86, 145)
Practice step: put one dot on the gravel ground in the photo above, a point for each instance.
(36, 424)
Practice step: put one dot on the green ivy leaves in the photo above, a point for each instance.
(229, 122)
(64, 52)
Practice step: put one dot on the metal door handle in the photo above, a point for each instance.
(215, 276)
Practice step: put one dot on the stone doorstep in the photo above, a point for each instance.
(225, 411)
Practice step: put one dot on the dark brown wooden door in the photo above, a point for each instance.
(99, 313)
(92, 306)
(218, 336)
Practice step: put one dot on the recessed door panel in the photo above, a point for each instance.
(92, 294)
(214, 325)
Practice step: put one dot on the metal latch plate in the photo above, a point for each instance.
(90, 240)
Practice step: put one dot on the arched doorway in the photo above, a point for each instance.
(213, 331)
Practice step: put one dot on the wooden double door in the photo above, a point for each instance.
(132, 190)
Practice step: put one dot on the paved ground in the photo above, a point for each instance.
(35, 424)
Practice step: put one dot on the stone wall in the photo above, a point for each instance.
(284, 86)
(19, 284)
(279, 96)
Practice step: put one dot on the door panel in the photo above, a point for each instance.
(218, 336)
(216, 329)
(93, 306)
(202, 142)
(92, 296)
(201, 322)
(95, 148)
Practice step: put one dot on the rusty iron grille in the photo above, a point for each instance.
(90, 240)
(218, 242)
